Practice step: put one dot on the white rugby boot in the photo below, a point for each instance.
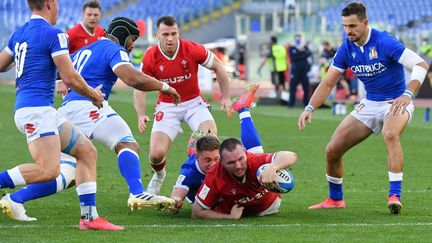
(147, 200)
(14, 210)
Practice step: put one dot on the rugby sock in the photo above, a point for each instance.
(395, 183)
(249, 134)
(34, 191)
(129, 165)
(159, 166)
(5, 180)
(335, 187)
(87, 197)
(11, 178)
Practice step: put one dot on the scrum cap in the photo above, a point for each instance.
(121, 29)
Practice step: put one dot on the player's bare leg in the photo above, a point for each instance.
(208, 127)
(349, 133)
(159, 145)
(393, 127)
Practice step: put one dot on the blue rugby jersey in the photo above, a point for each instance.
(96, 64)
(375, 64)
(190, 178)
(33, 47)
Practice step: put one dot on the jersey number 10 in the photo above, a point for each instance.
(20, 54)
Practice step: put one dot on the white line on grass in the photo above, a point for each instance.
(365, 225)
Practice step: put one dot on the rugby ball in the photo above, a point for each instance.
(285, 179)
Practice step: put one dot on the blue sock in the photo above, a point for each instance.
(336, 192)
(34, 191)
(129, 165)
(87, 199)
(5, 180)
(249, 134)
(395, 188)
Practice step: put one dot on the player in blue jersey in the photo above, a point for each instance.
(38, 50)
(378, 60)
(102, 63)
(206, 152)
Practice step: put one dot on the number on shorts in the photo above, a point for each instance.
(20, 54)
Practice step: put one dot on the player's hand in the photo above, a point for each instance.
(142, 123)
(236, 212)
(61, 88)
(268, 178)
(174, 209)
(226, 104)
(173, 93)
(305, 116)
(399, 104)
(98, 97)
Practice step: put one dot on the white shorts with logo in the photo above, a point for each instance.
(372, 113)
(37, 122)
(274, 208)
(103, 125)
(168, 117)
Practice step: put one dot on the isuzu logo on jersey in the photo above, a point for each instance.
(256, 197)
(178, 79)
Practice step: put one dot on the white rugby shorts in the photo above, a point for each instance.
(372, 113)
(103, 125)
(168, 117)
(274, 208)
(36, 122)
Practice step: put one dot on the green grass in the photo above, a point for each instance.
(366, 217)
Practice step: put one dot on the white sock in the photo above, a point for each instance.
(16, 177)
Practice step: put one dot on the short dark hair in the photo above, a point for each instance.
(229, 144)
(166, 20)
(91, 4)
(36, 4)
(355, 8)
(273, 39)
(207, 143)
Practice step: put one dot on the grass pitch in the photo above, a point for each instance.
(366, 217)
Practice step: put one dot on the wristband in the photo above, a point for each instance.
(408, 93)
(309, 108)
(165, 87)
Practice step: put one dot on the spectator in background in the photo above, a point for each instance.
(277, 59)
(328, 51)
(426, 54)
(300, 66)
(84, 33)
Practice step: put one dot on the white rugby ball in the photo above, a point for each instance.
(285, 179)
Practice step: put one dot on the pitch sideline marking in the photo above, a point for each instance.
(230, 225)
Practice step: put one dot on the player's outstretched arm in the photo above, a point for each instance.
(319, 96)
(6, 61)
(178, 194)
(139, 98)
(281, 160)
(143, 82)
(74, 80)
(223, 80)
(199, 212)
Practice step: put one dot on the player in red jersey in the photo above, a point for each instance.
(175, 61)
(84, 33)
(231, 188)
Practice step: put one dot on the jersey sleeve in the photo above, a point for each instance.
(146, 64)
(202, 55)
(393, 48)
(186, 179)
(340, 58)
(207, 194)
(57, 42)
(256, 160)
(10, 47)
(118, 56)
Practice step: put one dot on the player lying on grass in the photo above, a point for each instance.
(194, 170)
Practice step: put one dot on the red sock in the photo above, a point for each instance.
(160, 166)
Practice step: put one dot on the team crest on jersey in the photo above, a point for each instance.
(373, 54)
(185, 65)
(161, 68)
(29, 128)
(159, 116)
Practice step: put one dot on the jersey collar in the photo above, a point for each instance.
(198, 168)
(367, 39)
(175, 54)
(35, 16)
(86, 30)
